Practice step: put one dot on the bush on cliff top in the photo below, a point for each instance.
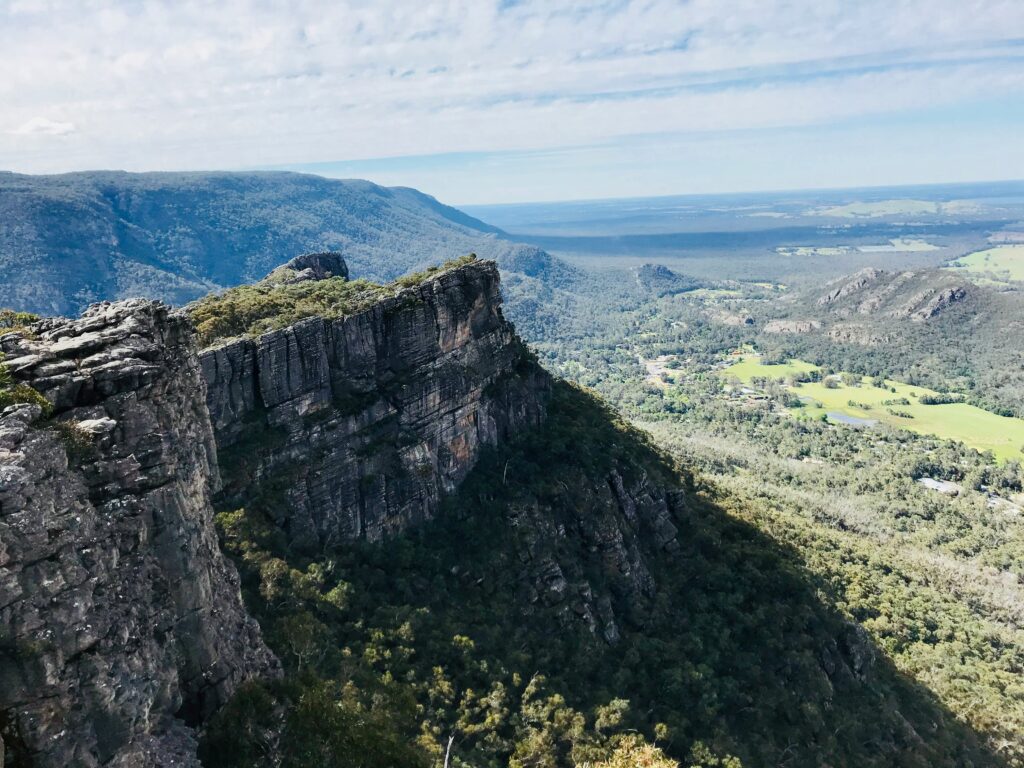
(12, 393)
(269, 304)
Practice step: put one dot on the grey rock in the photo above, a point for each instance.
(850, 285)
(121, 624)
(361, 425)
(317, 266)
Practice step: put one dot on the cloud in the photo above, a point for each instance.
(41, 126)
(242, 83)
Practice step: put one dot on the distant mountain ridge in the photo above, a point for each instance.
(72, 239)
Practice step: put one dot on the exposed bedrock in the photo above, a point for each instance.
(121, 623)
(356, 427)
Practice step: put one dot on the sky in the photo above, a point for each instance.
(476, 101)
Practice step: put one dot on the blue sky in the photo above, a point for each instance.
(481, 102)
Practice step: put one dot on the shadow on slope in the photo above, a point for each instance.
(735, 651)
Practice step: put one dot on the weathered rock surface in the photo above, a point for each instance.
(848, 286)
(120, 621)
(874, 293)
(927, 305)
(356, 427)
(611, 528)
(314, 266)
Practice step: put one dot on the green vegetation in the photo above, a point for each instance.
(193, 233)
(11, 392)
(750, 366)
(272, 303)
(932, 413)
(933, 579)
(250, 310)
(10, 320)
(434, 635)
(1004, 263)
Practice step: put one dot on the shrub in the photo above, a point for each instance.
(12, 393)
(269, 305)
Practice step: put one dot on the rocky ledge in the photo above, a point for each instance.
(356, 427)
(121, 624)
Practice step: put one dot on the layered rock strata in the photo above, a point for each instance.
(121, 623)
(355, 428)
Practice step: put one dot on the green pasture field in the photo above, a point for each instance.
(1004, 261)
(978, 428)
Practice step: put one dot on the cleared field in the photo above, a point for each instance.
(895, 245)
(901, 408)
(711, 293)
(900, 245)
(879, 208)
(749, 367)
(896, 207)
(1005, 262)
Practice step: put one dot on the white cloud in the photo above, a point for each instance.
(188, 84)
(41, 126)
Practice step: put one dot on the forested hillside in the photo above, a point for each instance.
(69, 240)
(933, 327)
(917, 539)
(509, 632)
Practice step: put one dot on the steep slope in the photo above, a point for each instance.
(576, 589)
(571, 589)
(121, 623)
(77, 238)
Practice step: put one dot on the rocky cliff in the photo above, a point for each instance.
(121, 623)
(356, 427)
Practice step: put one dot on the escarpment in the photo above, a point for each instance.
(122, 627)
(121, 624)
(358, 427)
(355, 427)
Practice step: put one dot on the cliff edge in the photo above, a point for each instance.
(356, 427)
(121, 623)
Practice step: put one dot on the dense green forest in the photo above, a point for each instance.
(743, 655)
(934, 579)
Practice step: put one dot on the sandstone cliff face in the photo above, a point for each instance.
(356, 427)
(120, 621)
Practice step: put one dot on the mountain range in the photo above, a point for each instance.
(69, 240)
(308, 515)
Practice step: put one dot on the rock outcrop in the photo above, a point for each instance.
(356, 427)
(848, 286)
(927, 305)
(314, 266)
(121, 623)
(612, 528)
